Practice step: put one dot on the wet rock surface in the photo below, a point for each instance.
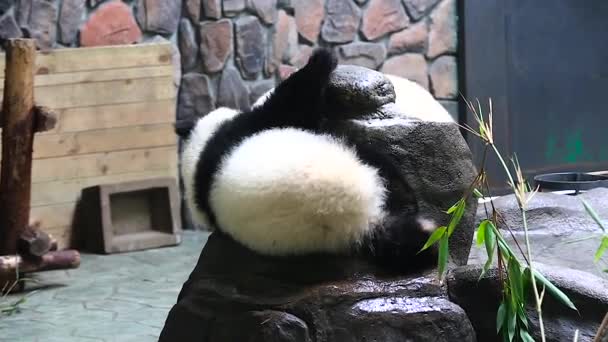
(557, 223)
(354, 90)
(234, 294)
(480, 300)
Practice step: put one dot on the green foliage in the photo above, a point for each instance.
(517, 278)
(8, 307)
(601, 250)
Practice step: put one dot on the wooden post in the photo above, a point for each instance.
(17, 140)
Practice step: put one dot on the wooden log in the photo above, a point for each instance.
(60, 260)
(17, 142)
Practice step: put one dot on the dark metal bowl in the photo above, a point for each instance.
(570, 181)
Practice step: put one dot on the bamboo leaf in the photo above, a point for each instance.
(500, 316)
(527, 283)
(437, 234)
(593, 215)
(521, 314)
(456, 217)
(511, 320)
(602, 249)
(481, 232)
(453, 207)
(478, 193)
(443, 256)
(490, 241)
(555, 292)
(525, 336)
(515, 279)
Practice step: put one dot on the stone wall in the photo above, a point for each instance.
(87, 23)
(234, 50)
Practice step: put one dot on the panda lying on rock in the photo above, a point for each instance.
(273, 180)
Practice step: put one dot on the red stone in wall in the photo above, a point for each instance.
(111, 24)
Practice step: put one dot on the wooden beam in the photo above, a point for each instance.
(59, 260)
(17, 142)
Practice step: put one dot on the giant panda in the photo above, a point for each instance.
(274, 181)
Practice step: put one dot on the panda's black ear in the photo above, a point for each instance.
(321, 63)
(301, 95)
(183, 128)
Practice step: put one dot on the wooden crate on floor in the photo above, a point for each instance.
(131, 216)
(116, 109)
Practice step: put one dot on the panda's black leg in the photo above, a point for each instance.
(397, 243)
(396, 246)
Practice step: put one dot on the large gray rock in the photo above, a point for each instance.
(556, 223)
(554, 214)
(236, 295)
(480, 299)
(432, 157)
(354, 90)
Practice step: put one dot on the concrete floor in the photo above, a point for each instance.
(122, 297)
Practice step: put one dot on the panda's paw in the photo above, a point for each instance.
(427, 225)
(321, 63)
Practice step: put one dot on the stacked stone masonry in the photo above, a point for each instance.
(228, 52)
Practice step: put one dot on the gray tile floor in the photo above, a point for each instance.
(126, 297)
(121, 297)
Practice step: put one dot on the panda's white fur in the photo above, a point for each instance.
(411, 100)
(194, 145)
(416, 102)
(314, 192)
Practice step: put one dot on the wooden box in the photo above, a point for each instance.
(130, 216)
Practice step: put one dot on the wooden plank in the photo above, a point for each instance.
(99, 164)
(100, 76)
(54, 215)
(103, 93)
(119, 115)
(107, 140)
(112, 116)
(65, 191)
(99, 58)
